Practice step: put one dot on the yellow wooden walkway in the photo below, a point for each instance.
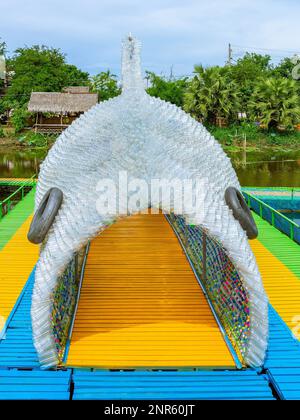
(17, 259)
(281, 284)
(17, 181)
(140, 304)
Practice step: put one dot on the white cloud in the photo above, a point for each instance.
(173, 31)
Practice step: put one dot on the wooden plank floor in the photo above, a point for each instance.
(278, 259)
(17, 181)
(17, 259)
(140, 304)
(11, 222)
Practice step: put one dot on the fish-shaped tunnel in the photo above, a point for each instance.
(148, 139)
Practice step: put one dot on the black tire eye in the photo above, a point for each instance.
(45, 215)
(236, 202)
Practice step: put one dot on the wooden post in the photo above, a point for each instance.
(244, 149)
(36, 122)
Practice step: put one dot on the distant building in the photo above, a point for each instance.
(57, 110)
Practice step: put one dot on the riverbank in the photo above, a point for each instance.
(252, 139)
(233, 139)
(10, 144)
(28, 142)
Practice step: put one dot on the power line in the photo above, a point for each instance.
(244, 48)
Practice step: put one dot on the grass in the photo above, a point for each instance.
(27, 140)
(37, 140)
(232, 138)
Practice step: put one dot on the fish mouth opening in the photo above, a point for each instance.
(219, 279)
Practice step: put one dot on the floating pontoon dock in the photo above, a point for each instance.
(143, 326)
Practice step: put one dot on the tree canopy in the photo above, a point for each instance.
(168, 89)
(212, 94)
(105, 84)
(247, 71)
(253, 87)
(284, 68)
(40, 69)
(275, 103)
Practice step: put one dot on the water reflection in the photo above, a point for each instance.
(267, 169)
(262, 169)
(18, 164)
(295, 216)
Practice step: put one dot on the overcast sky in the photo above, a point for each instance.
(176, 33)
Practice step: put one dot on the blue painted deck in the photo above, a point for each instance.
(17, 349)
(17, 352)
(194, 385)
(283, 360)
(37, 385)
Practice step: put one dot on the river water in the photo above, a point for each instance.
(268, 168)
(261, 169)
(295, 216)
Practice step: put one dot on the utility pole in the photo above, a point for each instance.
(3, 72)
(2, 66)
(230, 51)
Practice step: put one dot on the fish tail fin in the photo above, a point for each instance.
(131, 64)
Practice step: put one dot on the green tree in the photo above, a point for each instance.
(171, 90)
(212, 94)
(251, 67)
(19, 118)
(275, 102)
(40, 69)
(284, 68)
(246, 73)
(106, 85)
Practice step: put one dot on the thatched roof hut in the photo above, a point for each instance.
(64, 106)
(61, 103)
(76, 89)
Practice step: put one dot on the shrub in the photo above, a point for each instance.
(212, 94)
(37, 139)
(19, 119)
(275, 103)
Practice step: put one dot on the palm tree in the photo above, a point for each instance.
(212, 95)
(275, 103)
(105, 84)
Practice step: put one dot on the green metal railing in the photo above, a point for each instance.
(274, 217)
(9, 202)
(291, 192)
(221, 283)
(65, 299)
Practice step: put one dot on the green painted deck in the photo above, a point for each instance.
(283, 359)
(280, 245)
(14, 219)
